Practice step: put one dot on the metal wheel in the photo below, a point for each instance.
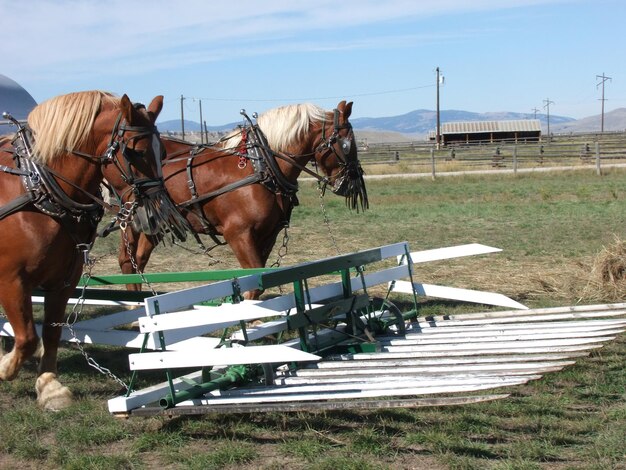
(385, 317)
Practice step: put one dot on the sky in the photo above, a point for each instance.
(494, 55)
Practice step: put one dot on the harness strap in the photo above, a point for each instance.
(16, 204)
(251, 179)
(13, 171)
(190, 183)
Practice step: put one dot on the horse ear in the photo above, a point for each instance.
(126, 108)
(155, 108)
(348, 110)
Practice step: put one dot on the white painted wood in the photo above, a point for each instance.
(522, 317)
(38, 299)
(510, 349)
(123, 404)
(112, 320)
(500, 344)
(195, 344)
(362, 369)
(454, 293)
(354, 393)
(224, 356)
(614, 308)
(492, 337)
(458, 251)
(219, 317)
(424, 328)
(371, 360)
(172, 301)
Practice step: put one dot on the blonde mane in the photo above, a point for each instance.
(282, 126)
(64, 122)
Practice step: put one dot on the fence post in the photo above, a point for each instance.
(432, 161)
(515, 160)
(598, 169)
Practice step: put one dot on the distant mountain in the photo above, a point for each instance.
(422, 121)
(613, 121)
(417, 124)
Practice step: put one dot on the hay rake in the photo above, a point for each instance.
(328, 343)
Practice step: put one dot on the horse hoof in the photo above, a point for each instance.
(51, 395)
(8, 371)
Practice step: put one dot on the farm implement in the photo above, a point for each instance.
(341, 333)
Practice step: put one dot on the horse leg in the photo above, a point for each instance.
(130, 258)
(248, 254)
(18, 308)
(51, 395)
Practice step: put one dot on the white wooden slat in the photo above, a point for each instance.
(219, 316)
(411, 383)
(424, 328)
(393, 250)
(362, 369)
(509, 349)
(500, 344)
(390, 380)
(522, 317)
(356, 393)
(454, 293)
(505, 336)
(458, 251)
(112, 320)
(371, 360)
(223, 356)
(261, 331)
(177, 300)
(613, 308)
(38, 299)
(136, 399)
(195, 344)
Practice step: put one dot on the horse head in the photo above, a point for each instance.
(132, 165)
(336, 155)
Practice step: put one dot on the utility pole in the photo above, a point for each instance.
(603, 78)
(438, 132)
(201, 133)
(182, 116)
(547, 106)
(534, 110)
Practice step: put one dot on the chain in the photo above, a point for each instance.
(132, 260)
(282, 251)
(327, 220)
(77, 309)
(203, 250)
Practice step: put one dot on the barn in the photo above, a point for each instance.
(523, 130)
(14, 100)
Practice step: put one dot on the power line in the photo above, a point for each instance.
(547, 105)
(603, 78)
(319, 98)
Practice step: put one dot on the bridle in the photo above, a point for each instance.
(140, 186)
(336, 140)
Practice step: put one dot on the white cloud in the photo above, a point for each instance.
(79, 38)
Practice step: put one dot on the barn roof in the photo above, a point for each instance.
(473, 127)
(14, 99)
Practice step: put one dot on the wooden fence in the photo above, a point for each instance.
(592, 150)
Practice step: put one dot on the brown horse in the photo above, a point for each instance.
(50, 206)
(244, 189)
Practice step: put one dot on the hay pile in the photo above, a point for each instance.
(606, 278)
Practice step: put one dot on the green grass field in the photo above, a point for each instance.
(551, 227)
